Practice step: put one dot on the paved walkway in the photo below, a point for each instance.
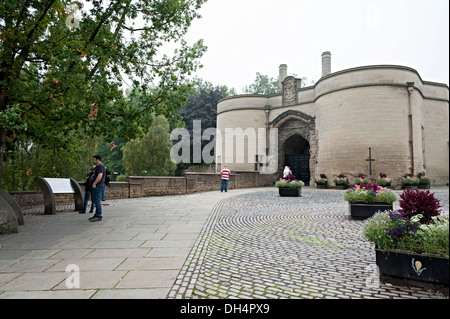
(247, 243)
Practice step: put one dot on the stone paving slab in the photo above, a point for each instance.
(246, 243)
(49, 294)
(134, 293)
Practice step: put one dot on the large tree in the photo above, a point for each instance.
(62, 66)
(150, 155)
(201, 106)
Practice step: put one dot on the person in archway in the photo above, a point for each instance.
(287, 174)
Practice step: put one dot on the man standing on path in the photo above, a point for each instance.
(97, 187)
(225, 174)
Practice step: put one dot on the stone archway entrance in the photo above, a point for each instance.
(297, 144)
(297, 156)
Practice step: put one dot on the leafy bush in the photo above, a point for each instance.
(341, 179)
(415, 227)
(285, 184)
(410, 180)
(121, 178)
(390, 230)
(361, 179)
(369, 193)
(415, 202)
(383, 180)
(386, 196)
(423, 179)
(321, 179)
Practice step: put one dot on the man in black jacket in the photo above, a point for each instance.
(98, 184)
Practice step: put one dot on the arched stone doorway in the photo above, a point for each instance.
(297, 156)
(297, 144)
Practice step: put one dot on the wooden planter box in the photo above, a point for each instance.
(321, 186)
(341, 186)
(291, 192)
(413, 267)
(361, 211)
(424, 186)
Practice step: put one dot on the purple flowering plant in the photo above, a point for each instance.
(417, 226)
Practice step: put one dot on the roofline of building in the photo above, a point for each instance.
(360, 68)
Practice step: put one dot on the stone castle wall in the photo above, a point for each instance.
(347, 112)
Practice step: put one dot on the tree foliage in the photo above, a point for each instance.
(111, 152)
(263, 84)
(266, 85)
(150, 155)
(202, 106)
(62, 67)
(26, 160)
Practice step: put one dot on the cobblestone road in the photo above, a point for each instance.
(259, 245)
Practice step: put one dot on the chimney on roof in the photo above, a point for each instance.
(282, 76)
(326, 63)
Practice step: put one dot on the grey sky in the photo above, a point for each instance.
(249, 36)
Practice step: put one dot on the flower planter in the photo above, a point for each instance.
(412, 266)
(361, 211)
(321, 186)
(424, 186)
(409, 186)
(291, 192)
(341, 186)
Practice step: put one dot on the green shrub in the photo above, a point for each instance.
(285, 184)
(121, 178)
(424, 181)
(369, 193)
